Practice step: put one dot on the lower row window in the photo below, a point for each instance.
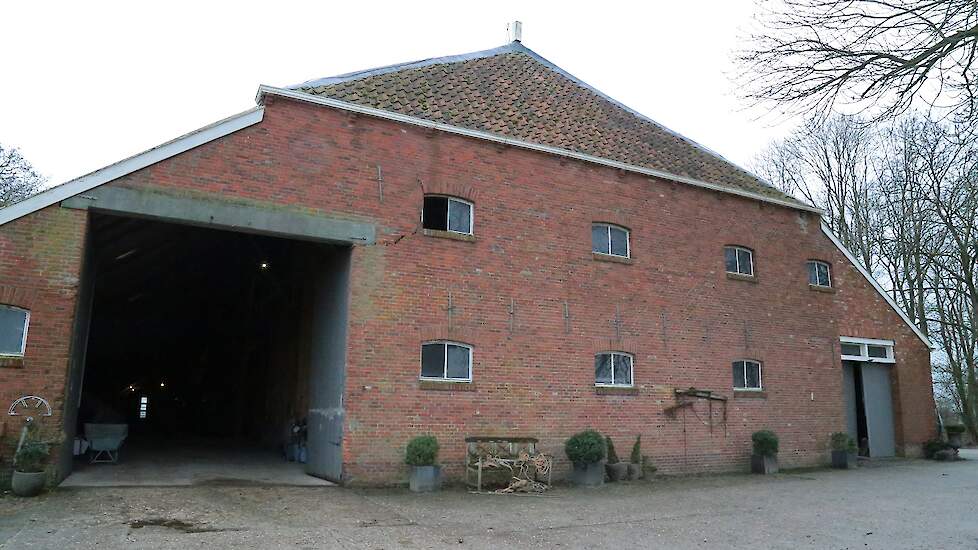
(13, 330)
(747, 375)
(446, 361)
(613, 369)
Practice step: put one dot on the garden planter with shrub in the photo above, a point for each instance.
(635, 461)
(617, 470)
(586, 450)
(954, 433)
(765, 457)
(843, 451)
(421, 455)
(29, 475)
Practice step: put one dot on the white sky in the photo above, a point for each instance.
(84, 84)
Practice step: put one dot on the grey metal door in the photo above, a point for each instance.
(879, 410)
(327, 373)
(849, 395)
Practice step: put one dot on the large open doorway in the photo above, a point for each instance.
(213, 347)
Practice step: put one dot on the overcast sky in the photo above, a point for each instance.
(85, 84)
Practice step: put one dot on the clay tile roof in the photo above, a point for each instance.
(514, 92)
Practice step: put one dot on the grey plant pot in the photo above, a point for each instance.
(634, 471)
(760, 464)
(844, 460)
(26, 484)
(425, 479)
(588, 475)
(954, 440)
(617, 471)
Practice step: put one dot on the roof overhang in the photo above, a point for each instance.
(169, 149)
(265, 90)
(872, 280)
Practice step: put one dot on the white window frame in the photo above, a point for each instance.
(444, 376)
(613, 384)
(828, 271)
(760, 374)
(448, 214)
(27, 324)
(736, 247)
(863, 344)
(608, 227)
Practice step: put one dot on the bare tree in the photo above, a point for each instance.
(830, 164)
(810, 55)
(18, 178)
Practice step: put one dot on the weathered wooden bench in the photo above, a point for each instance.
(517, 455)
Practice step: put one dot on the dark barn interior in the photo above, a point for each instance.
(199, 336)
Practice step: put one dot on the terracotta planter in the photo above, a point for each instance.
(28, 484)
(762, 464)
(617, 471)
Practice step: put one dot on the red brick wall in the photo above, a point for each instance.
(40, 262)
(681, 317)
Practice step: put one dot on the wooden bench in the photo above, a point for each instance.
(518, 455)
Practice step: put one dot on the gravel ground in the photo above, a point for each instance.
(889, 504)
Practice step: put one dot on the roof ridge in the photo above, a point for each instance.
(356, 75)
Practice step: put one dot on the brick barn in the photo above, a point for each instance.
(473, 245)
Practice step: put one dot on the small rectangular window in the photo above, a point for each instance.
(446, 361)
(613, 369)
(13, 330)
(854, 350)
(739, 260)
(610, 239)
(446, 214)
(877, 352)
(818, 274)
(746, 375)
(143, 407)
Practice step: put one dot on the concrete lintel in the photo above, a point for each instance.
(222, 215)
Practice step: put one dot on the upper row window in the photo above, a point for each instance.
(13, 330)
(857, 349)
(447, 214)
(819, 273)
(610, 239)
(446, 361)
(738, 260)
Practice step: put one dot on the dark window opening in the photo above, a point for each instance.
(447, 214)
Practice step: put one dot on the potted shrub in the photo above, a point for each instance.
(765, 457)
(843, 451)
(954, 433)
(29, 475)
(617, 470)
(421, 455)
(586, 450)
(648, 468)
(635, 460)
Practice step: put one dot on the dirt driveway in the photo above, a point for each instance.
(894, 504)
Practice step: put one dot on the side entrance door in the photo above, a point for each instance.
(869, 407)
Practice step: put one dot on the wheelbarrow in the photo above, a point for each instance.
(105, 441)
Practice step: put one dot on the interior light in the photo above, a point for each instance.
(162, 384)
(263, 266)
(132, 388)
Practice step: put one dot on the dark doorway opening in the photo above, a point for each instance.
(204, 342)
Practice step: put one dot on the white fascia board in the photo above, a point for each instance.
(264, 90)
(872, 280)
(870, 341)
(169, 149)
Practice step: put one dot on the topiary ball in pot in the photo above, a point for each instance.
(843, 451)
(29, 476)
(765, 457)
(586, 450)
(422, 455)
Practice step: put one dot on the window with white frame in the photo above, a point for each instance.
(446, 361)
(143, 407)
(447, 214)
(613, 368)
(610, 239)
(747, 375)
(738, 260)
(819, 273)
(867, 350)
(13, 330)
